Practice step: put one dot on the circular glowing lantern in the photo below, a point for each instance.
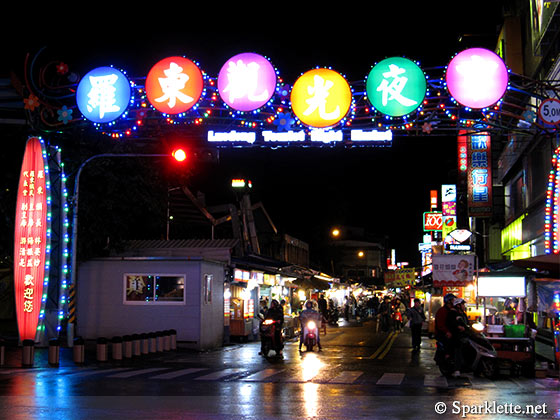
(247, 81)
(103, 94)
(396, 86)
(477, 78)
(321, 98)
(174, 85)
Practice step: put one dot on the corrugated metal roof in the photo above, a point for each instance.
(181, 243)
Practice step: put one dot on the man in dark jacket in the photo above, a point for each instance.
(385, 314)
(417, 318)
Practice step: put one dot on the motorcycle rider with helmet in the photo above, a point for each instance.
(276, 313)
(309, 313)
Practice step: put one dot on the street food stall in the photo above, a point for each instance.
(506, 329)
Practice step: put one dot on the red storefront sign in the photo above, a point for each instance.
(433, 221)
(30, 239)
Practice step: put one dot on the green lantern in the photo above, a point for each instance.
(396, 86)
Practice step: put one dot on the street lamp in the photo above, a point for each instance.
(75, 215)
(335, 233)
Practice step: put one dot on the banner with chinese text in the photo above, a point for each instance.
(30, 239)
(452, 270)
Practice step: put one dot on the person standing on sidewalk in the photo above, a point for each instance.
(417, 318)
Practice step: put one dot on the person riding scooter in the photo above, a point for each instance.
(275, 313)
(309, 313)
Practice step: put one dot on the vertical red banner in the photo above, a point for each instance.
(479, 175)
(30, 239)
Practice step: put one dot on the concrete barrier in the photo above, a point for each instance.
(153, 342)
(136, 345)
(78, 351)
(127, 347)
(101, 349)
(166, 340)
(2, 351)
(28, 353)
(173, 339)
(145, 343)
(54, 352)
(117, 348)
(159, 341)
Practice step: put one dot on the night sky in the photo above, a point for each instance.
(305, 191)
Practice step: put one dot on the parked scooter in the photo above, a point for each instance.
(333, 316)
(310, 334)
(268, 338)
(478, 355)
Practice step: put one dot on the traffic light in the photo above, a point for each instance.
(179, 154)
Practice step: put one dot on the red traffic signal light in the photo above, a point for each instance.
(180, 155)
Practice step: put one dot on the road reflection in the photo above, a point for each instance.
(311, 399)
(311, 366)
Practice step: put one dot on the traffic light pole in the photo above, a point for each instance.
(73, 265)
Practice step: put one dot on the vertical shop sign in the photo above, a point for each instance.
(479, 176)
(462, 158)
(30, 238)
(448, 208)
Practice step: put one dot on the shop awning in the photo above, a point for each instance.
(546, 262)
(312, 283)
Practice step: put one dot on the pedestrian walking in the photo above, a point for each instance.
(385, 314)
(417, 318)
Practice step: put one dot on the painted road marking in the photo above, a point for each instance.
(135, 373)
(384, 353)
(263, 374)
(481, 382)
(219, 374)
(346, 377)
(95, 371)
(435, 380)
(177, 373)
(383, 345)
(391, 379)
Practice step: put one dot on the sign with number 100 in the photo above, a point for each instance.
(549, 111)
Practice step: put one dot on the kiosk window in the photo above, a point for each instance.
(154, 288)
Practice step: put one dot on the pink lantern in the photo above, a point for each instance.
(247, 81)
(477, 78)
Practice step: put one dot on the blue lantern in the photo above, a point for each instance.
(103, 94)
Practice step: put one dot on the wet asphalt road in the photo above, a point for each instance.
(360, 374)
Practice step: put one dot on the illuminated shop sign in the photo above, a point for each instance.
(433, 221)
(552, 207)
(477, 78)
(321, 98)
(396, 86)
(479, 176)
(103, 94)
(174, 85)
(315, 136)
(31, 239)
(247, 82)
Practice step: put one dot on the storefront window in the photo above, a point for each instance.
(154, 288)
